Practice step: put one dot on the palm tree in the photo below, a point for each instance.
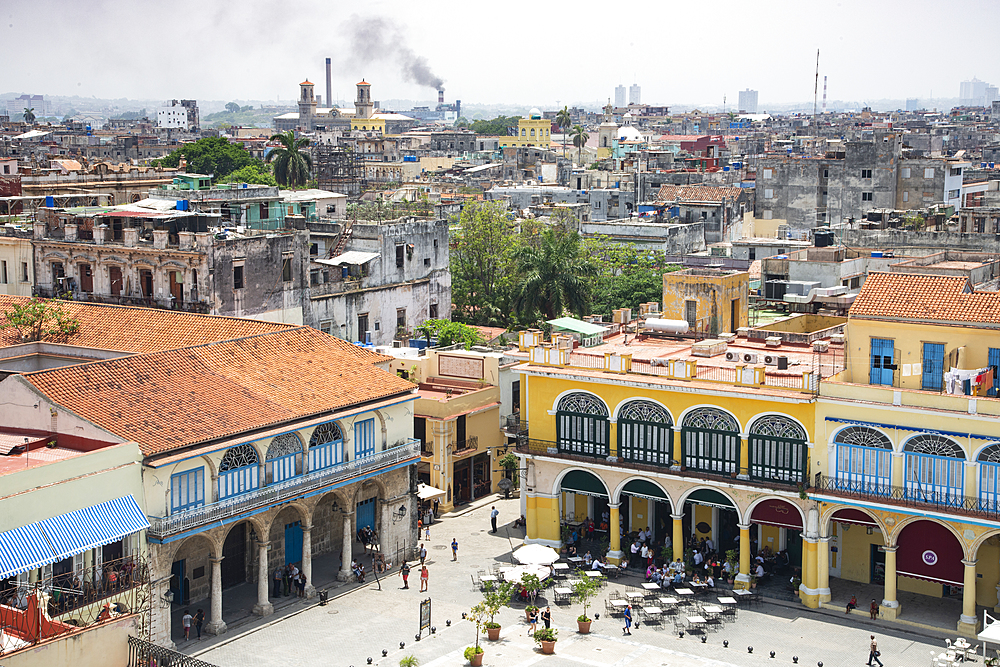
(291, 165)
(580, 137)
(563, 120)
(29, 116)
(553, 275)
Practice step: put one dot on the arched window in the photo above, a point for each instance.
(645, 433)
(283, 458)
(989, 477)
(934, 469)
(864, 460)
(238, 471)
(326, 446)
(582, 425)
(778, 450)
(710, 441)
(522, 132)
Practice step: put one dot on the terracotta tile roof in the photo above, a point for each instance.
(140, 330)
(706, 193)
(904, 296)
(173, 399)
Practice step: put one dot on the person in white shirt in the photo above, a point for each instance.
(760, 571)
(635, 547)
(710, 545)
(698, 558)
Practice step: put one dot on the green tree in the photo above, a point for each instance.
(255, 173)
(496, 127)
(627, 276)
(481, 265)
(449, 333)
(585, 589)
(233, 107)
(580, 137)
(554, 275)
(29, 116)
(291, 164)
(212, 155)
(39, 319)
(564, 120)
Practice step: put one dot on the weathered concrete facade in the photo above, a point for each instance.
(710, 300)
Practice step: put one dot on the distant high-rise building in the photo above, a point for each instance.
(748, 101)
(976, 93)
(619, 96)
(634, 94)
(912, 104)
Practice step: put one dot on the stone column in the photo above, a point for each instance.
(614, 534)
(808, 591)
(307, 560)
(743, 578)
(347, 549)
(678, 535)
(823, 569)
(968, 623)
(216, 626)
(263, 606)
(890, 606)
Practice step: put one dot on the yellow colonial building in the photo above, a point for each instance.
(531, 131)
(869, 452)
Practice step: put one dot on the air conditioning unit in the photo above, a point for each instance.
(749, 358)
(770, 360)
(732, 356)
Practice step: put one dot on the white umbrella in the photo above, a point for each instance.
(536, 554)
(514, 573)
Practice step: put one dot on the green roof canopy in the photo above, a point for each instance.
(583, 482)
(711, 498)
(644, 489)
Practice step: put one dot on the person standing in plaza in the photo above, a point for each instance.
(873, 652)
(424, 574)
(494, 513)
(547, 616)
(423, 553)
(404, 572)
(627, 630)
(277, 582)
(186, 624)
(199, 620)
(454, 548)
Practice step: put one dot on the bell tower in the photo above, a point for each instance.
(307, 104)
(363, 107)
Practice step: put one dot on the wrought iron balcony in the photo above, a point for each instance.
(909, 497)
(178, 522)
(465, 447)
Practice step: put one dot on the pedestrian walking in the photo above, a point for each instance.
(404, 571)
(427, 532)
(454, 548)
(186, 623)
(494, 513)
(873, 652)
(627, 630)
(423, 553)
(423, 578)
(547, 616)
(532, 621)
(199, 620)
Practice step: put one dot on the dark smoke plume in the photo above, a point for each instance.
(375, 39)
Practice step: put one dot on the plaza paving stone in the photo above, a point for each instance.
(361, 622)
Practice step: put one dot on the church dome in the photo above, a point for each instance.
(629, 133)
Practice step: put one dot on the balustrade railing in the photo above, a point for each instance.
(910, 496)
(162, 526)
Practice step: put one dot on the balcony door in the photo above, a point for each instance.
(239, 471)
(710, 441)
(882, 365)
(645, 433)
(583, 425)
(935, 470)
(778, 450)
(864, 460)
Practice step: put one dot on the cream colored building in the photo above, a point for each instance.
(17, 265)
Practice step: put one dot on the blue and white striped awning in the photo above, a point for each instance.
(93, 526)
(23, 549)
(59, 537)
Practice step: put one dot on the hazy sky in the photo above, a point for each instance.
(534, 53)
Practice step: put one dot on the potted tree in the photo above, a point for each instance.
(584, 591)
(409, 661)
(546, 638)
(532, 584)
(733, 559)
(477, 616)
(496, 596)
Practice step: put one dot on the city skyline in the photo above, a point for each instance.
(406, 54)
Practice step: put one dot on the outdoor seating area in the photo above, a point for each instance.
(681, 611)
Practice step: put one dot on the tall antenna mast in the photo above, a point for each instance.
(824, 94)
(816, 85)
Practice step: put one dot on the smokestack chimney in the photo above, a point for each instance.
(329, 85)
(440, 97)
